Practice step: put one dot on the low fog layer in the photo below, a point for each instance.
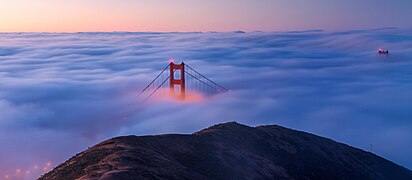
(63, 92)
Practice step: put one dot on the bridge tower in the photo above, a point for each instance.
(178, 82)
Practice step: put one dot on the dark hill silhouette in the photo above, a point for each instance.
(227, 151)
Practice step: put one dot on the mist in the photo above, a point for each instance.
(61, 93)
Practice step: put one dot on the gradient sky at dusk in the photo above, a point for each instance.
(197, 15)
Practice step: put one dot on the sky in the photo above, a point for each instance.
(198, 15)
(61, 93)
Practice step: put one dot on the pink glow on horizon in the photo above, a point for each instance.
(185, 15)
(190, 96)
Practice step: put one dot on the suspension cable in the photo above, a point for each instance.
(199, 79)
(154, 80)
(157, 89)
(207, 78)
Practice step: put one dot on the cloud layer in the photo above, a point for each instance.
(63, 92)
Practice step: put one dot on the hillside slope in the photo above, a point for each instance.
(227, 151)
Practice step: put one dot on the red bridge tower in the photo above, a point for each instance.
(177, 82)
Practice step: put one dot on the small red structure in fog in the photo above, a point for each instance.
(180, 82)
(183, 81)
(383, 52)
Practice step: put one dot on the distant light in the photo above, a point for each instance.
(18, 170)
(172, 60)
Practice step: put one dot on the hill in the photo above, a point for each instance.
(227, 151)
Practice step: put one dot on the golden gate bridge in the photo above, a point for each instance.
(179, 81)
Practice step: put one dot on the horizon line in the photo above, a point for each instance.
(233, 31)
